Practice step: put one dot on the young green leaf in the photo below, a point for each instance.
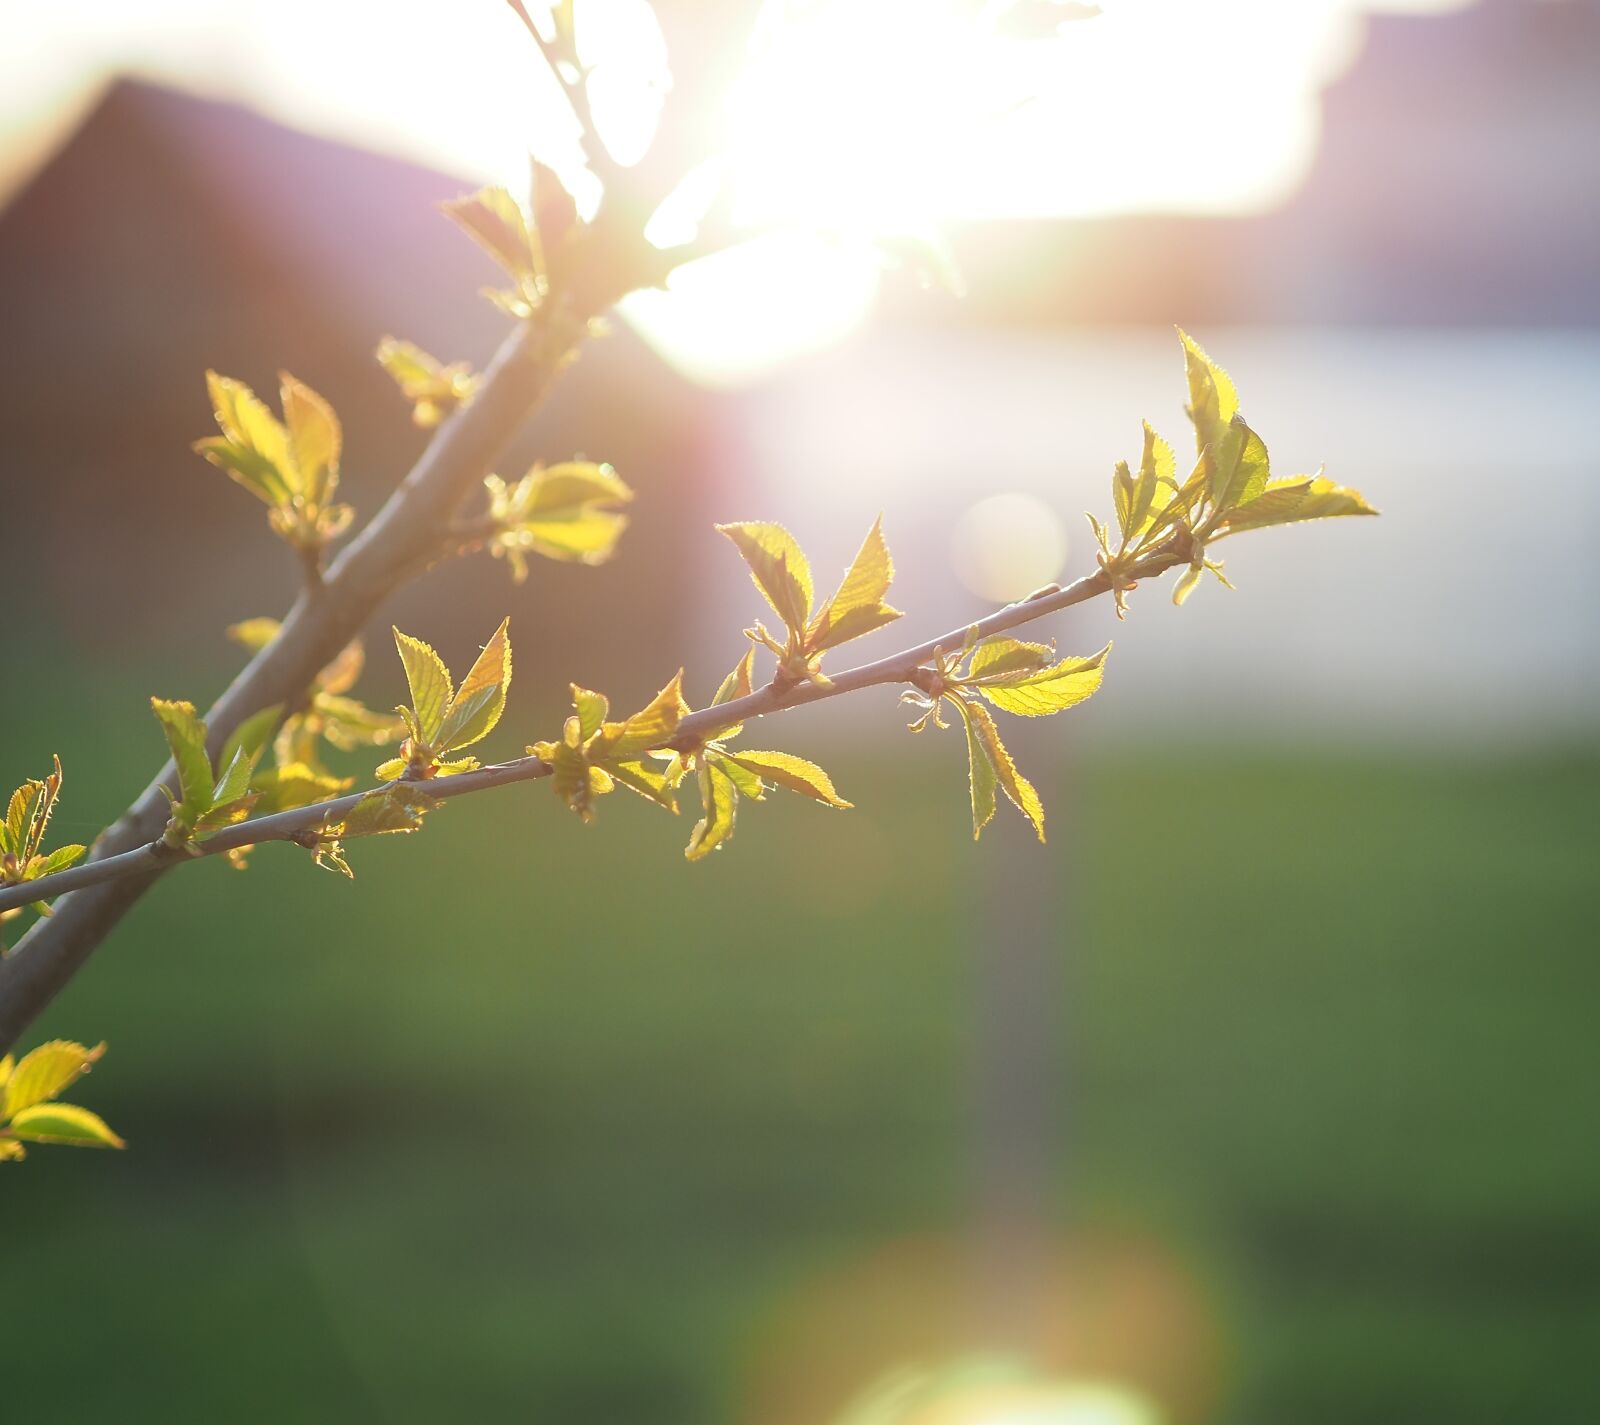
(492, 218)
(981, 726)
(186, 737)
(434, 389)
(781, 572)
(290, 465)
(1213, 401)
(444, 719)
(719, 800)
(481, 698)
(778, 568)
(793, 773)
(565, 512)
(593, 755)
(857, 607)
(64, 1124)
(1045, 691)
(45, 1072)
(1295, 498)
(429, 682)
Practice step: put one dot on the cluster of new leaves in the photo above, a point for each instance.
(291, 465)
(208, 799)
(1016, 677)
(566, 512)
(299, 776)
(443, 719)
(1231, 488)
(433, 388)
(534, 253)
(22, 854)
(388, 811)
(594, 756)
(28, 1111)
(723, 777)
(782, 573)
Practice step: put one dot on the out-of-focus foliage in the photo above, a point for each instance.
(291, 466)
(443, 718)
(566, 512)
(781, 571)
(28, 1110)
(433, 388)
(22, 854)
(534, 253)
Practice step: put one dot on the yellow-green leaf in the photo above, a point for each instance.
(429, 681)
(493, 219)
(1299, 497)
(433, 388)
(254, 448)
(1237, 466)
(63, 1123)
(857, 608)
(779, 569)
(1213, 401)
(1017, 787)
(1049, 690)
(719, 798)
(46, 1072)
(980, 771)
(1001, 656)
(314, 439)
(481, 698)
(794, 773)
(651, 726)
(186, 736)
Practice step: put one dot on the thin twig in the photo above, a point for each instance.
(693, 731)
(598, 157)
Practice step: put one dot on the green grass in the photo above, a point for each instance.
(534, 1122)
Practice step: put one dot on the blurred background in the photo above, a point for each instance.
(1256, 1096)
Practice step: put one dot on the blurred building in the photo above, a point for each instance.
(171, 234)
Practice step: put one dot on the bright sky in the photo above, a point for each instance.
(1175, 105)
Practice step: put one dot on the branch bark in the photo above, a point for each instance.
(140, 864)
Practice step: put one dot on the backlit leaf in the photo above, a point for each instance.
(45, 1072)
(857, 608)
(1002, 656)
(778, 567)
(186, 736)
(481, 698)
(1299, 497)
(429, 681)
(1017, 787)
(1213, 401)
(1049, 690)
(793, 773)
(314, 439)
(719, 799)
(63, 1123)
(980, 771)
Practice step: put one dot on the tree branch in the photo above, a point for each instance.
(320, 623)
(693, 731)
